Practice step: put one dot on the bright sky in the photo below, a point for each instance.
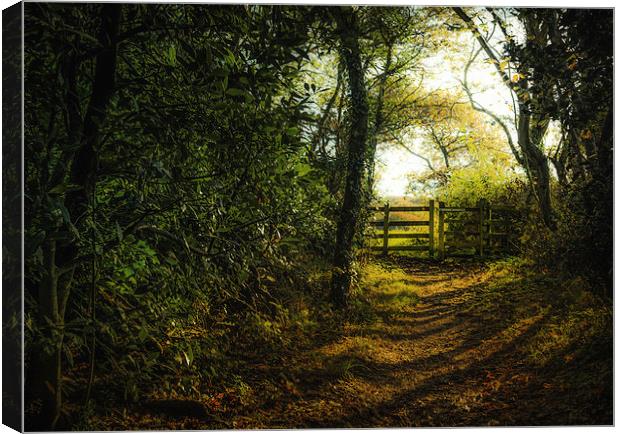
(393, 165)
(442, 71)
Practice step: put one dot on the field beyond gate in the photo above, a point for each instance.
(442, 230)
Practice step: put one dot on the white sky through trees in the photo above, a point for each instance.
(443, 71)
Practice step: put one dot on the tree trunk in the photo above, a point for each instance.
(536, 165)
(530, 134)
(342, 275)
(604, 146)
(45, 373)
(84, 165)
(45, 378)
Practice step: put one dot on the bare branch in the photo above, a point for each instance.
(400, 143)
(488, 50)
(502, 25)
(478, 107)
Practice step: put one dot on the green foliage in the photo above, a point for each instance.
(581, 245)
(201, 193)
(485, 181)
(578, 322)
(184, 172)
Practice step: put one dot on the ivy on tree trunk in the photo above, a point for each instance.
(347, 27)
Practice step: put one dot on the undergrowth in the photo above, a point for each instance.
(295, 342)
(573, 325)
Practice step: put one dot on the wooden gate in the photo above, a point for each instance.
(444, 230)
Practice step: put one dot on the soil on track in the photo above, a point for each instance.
(433, 345)
(443, 360)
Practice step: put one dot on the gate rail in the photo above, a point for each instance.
(490, 226)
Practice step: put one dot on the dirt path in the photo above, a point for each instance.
(429, 353)
(456, 344)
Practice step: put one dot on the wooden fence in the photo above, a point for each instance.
(447, 231)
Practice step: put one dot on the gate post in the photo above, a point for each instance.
(489, 216)
(442, 246)
(481, 213)
(431, 228)
(386, 227)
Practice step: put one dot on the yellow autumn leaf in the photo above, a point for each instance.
(572, 65)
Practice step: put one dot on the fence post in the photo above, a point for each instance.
(489, 214)
(431, 228)
(442, 246)
(481, 213)
(386, 227)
